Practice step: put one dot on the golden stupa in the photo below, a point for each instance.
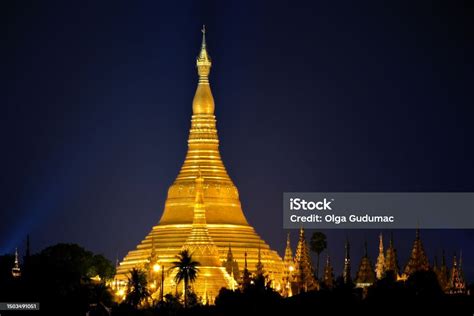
(226, 223)
(212, 276)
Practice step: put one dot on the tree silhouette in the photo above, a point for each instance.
(318, 244)
(187, 271)
(137, 287)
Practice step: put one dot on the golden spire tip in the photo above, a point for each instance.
(203, 30)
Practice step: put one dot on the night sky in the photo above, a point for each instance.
(318, 96)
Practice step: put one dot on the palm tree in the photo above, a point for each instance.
(318, 244)
(187, 271)
(137, 287)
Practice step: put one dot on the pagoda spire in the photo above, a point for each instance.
(457, 285)
(288, 260)
(380, 264)
(366, 273)
(231, 265)
(442, 273)
(391, 259)
(418, 260)
(304, 266)
(203, 102)
(346, 273)
(199, 237)
(203, 43)
(461, 272)
(246, 273)
(328, 278)
(16, 271)
(289, 266)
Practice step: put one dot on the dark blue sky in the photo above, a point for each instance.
(310, 96)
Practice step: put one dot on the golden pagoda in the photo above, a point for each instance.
(328, 278)
(442, 273)
(365, 276)
(304, 272)
(457, 284)
(418, 260)
(380, 264)
(226, 223)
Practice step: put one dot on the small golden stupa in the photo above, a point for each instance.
(212, 275)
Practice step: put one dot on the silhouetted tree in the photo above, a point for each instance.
(102, 267)
(187, 270)
(59, 278)
(99, 293)
(137, 288)
(318, 244)
(424, 284)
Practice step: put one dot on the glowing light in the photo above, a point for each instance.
(96, 278)
(156, 267)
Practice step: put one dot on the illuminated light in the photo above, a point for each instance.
(96, 278)
(156, 267)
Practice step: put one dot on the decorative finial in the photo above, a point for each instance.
(203, 62)
(203, 31)
(203, 102)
